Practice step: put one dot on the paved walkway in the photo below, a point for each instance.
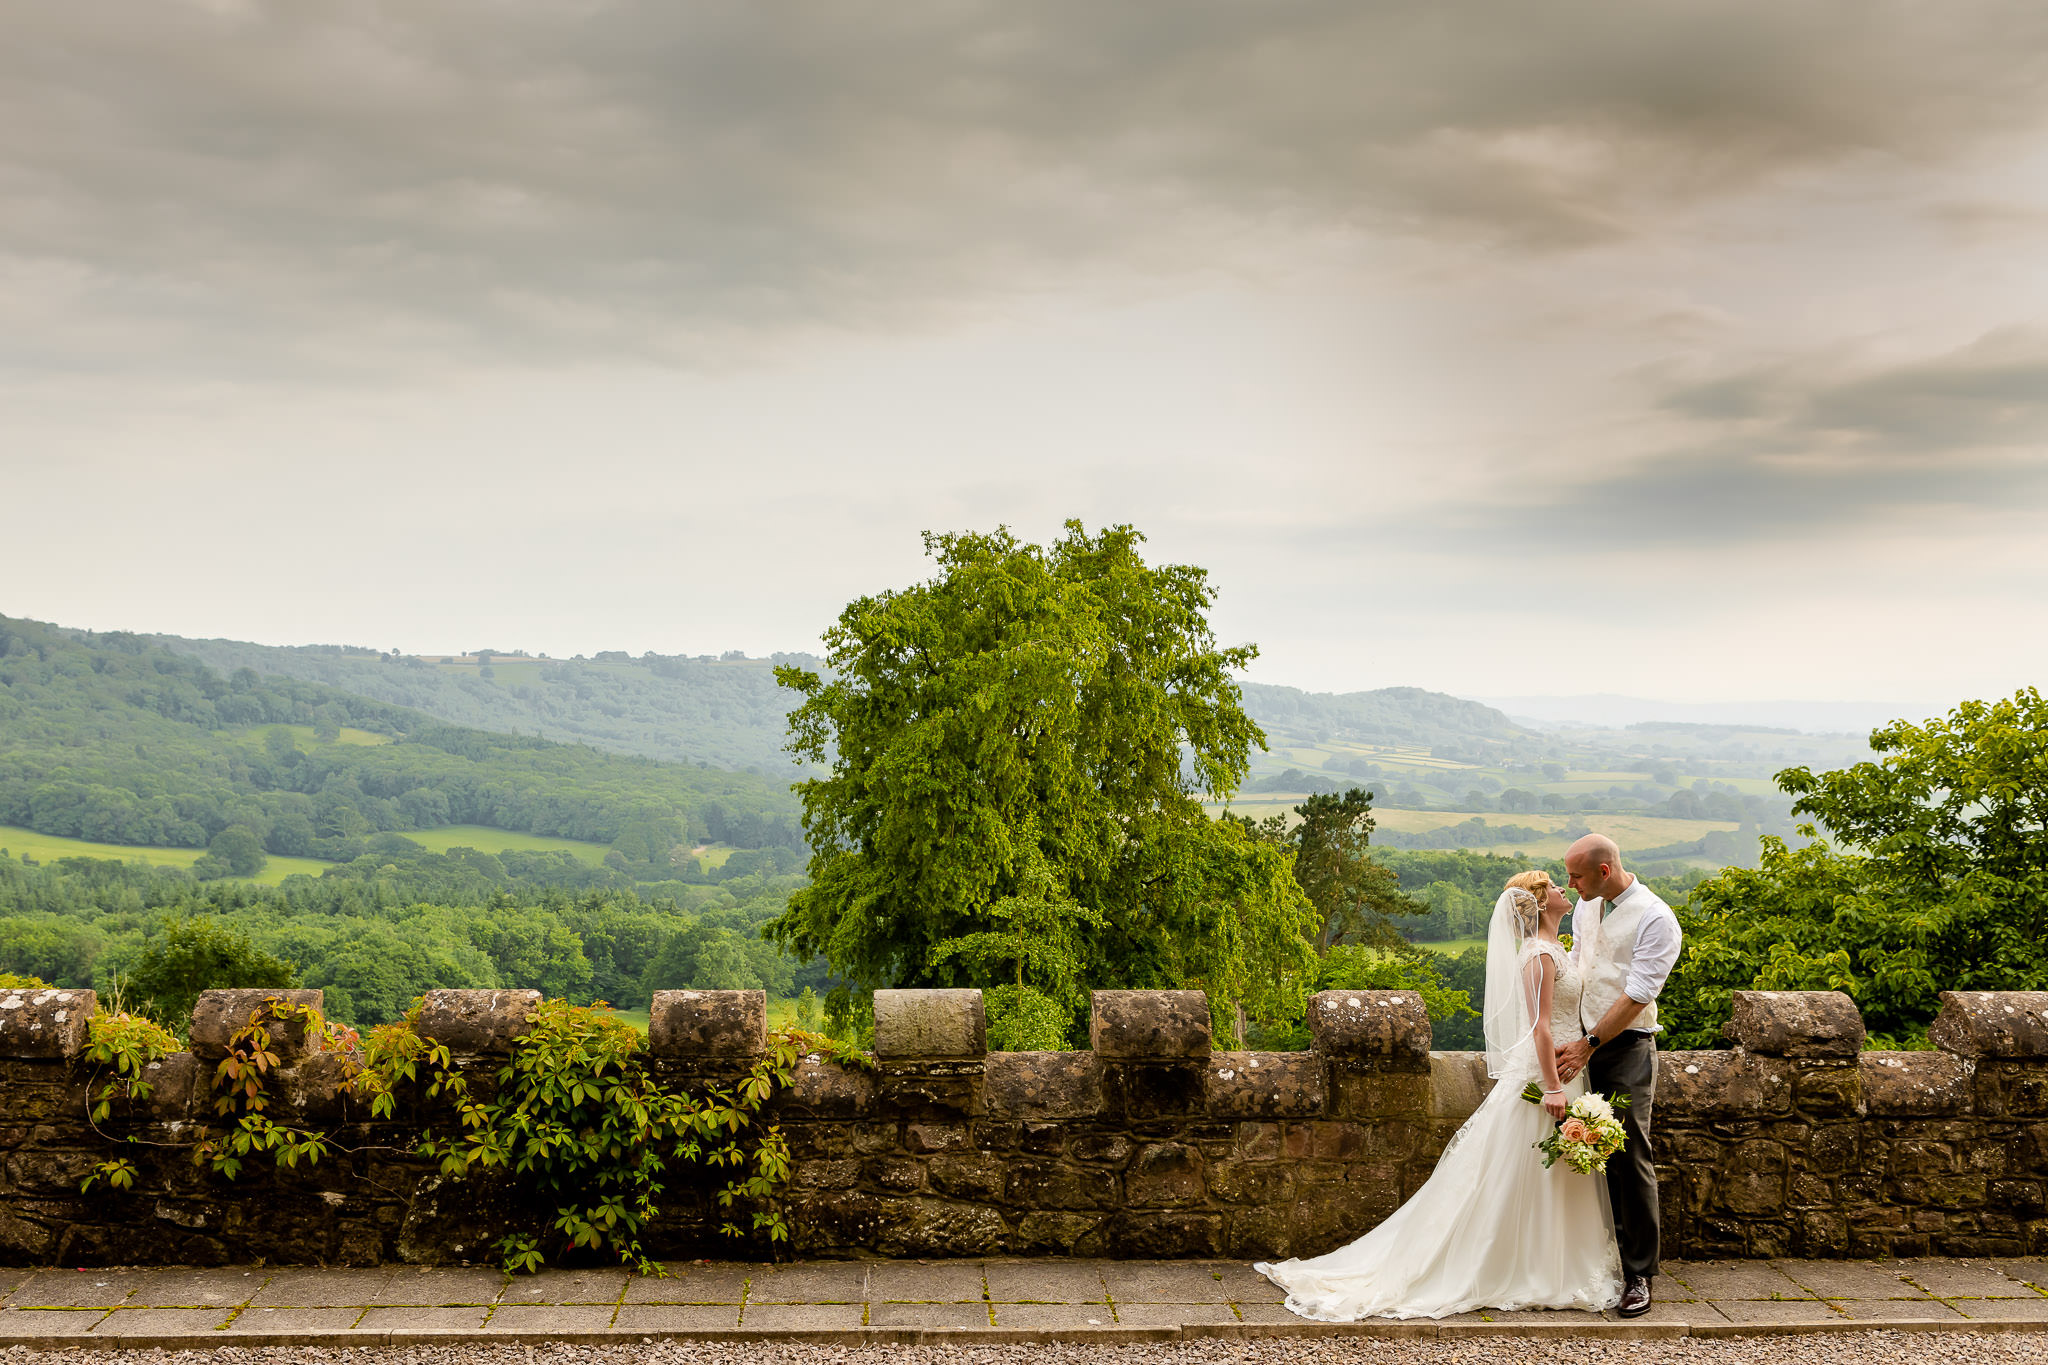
(855, 1302)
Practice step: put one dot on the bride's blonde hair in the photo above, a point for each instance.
(1535, 886)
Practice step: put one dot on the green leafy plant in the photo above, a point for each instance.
(581, 1122)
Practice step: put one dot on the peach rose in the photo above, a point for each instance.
(1576, 1131)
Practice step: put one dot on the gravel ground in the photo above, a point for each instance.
(1863, 1348)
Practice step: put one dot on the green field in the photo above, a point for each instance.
(48, 848)
(781, 1014)
(484, 839)
(302, 735)
(1453, 945)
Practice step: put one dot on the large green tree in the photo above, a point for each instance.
(1018, 749)
(1938, 880)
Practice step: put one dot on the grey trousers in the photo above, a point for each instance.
(1628, 1066)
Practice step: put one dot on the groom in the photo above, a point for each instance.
(1624, 940)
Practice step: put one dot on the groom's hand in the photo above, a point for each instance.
(1572, 1058)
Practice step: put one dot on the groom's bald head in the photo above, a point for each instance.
(1594, 863)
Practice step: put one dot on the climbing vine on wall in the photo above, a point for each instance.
(577, 1120)
(581, 1121)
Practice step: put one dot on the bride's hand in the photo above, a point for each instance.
(1554, 1104)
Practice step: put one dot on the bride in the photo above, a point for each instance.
(1491, 1228)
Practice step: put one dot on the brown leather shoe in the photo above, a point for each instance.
(1635, 1297)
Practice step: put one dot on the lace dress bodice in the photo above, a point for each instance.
(1564, 994)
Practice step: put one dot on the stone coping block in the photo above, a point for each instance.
(1150, 1026)
(1796, 1023)
(1388, 1029)
(930, 1025)
(1992, 1024)
(708, 1024)
(44, 1022)
(219, 1015)
(476, 1021)
(1917, 1084)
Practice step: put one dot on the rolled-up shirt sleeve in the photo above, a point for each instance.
(1657, 942)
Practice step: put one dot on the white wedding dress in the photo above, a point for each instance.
(1491, 1228)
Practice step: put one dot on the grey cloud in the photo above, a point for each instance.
(335, 185)
(1820, 443)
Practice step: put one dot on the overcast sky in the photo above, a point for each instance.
(1685, 350)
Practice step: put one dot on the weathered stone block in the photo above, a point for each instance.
(826, 1090)
(1060, 1185)
(708, 1024)
(1796, 1023)
(1160, 1026)
(1722, 1085)
(1138, 1091)
(218, 1016)
(44, 1023)
(930, 1025)
(475, 1022)
(1060, 1233)
(1245, 1085)
(1827, 1087)
(976, 1176)
(1384, 1030)
(1992, 1023)
(1916, 1083)
(1458, 1084)
(1371, 1094)
(1042, 1085)
(1165, 1175)
(928, 1088)
(1167, 1234)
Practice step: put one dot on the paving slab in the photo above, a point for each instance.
(924, 1282)
(443, 1286)
(161, 1322)
(1174, 1314)
(2029, 1270)
(299, 1287)
(815, 1282)
(2032, 1309)
(1972, 1279)
(230, 1287)
(687, 1282)
(1717, 1280)
(1896, 1310)
(1664, 1289)
(645, 1319)
(1048, 1281)
(552, 1319)
(811, 1317)
(418, 1318)
(1054, 1316)
(75, 1288)
(1666, 1312)
(1758, 1312)
(273, 1321)
(1163, 1282)
(1242, 1284)
(49, 1322)
(1850, 1279)
(566, 1286)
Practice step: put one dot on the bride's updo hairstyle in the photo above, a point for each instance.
(1530, 891)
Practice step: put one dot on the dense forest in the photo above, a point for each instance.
(373, 942)
(110, 737)
(727, 712)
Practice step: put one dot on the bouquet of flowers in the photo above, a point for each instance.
(1588, 1134)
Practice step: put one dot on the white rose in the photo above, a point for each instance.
(1596, 1108)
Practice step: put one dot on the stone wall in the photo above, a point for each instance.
(1792, 1142)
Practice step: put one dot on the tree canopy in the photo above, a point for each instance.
(1017, 749)
(1937, 880)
